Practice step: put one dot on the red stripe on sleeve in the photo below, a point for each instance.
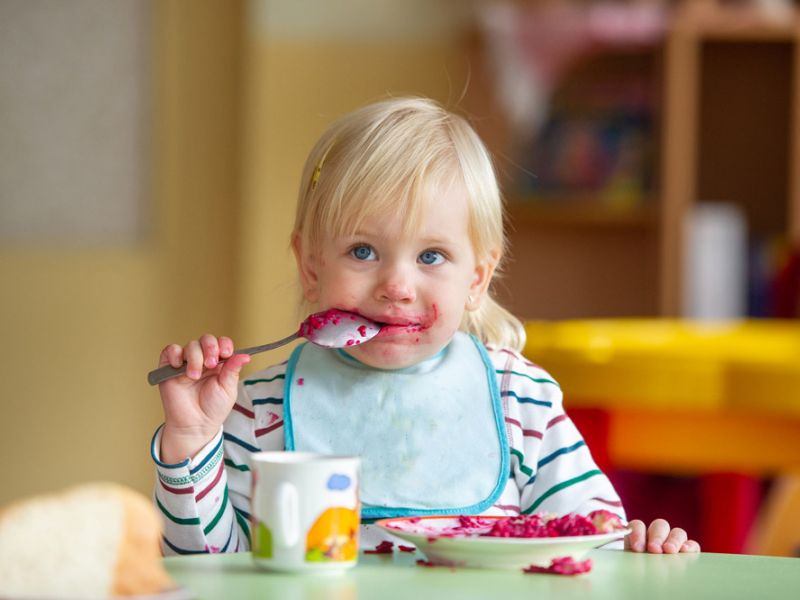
(556, 420)
(525, 432)
(211, 485)
(266, 430)
(172, 490)
(247, 413)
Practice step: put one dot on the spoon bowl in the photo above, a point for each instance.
(336, 328)
(332, 328)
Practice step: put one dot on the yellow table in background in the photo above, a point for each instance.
(688, 397)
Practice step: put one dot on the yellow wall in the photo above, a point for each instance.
(82, 326)
(241, 90)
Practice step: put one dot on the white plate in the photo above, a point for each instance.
(429, 535)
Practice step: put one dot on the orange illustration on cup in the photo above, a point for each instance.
(333, 536)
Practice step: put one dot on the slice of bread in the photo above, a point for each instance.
(96, 540)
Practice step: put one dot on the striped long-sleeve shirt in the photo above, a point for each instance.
(204, 501)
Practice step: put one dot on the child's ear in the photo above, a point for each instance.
(484, 271)
(306, 267)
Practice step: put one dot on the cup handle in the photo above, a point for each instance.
(286, 507)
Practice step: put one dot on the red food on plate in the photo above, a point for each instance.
(523, 526)
(541, 525)
(571, 524)
(605, 521)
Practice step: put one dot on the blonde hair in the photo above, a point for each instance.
(382, 159)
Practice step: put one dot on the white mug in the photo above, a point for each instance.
(305, 511)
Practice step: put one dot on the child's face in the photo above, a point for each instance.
(419, 284)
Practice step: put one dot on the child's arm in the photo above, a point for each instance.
(197, 499)
(203, 505)
(198, 402)
(205, 500)
(552, 465)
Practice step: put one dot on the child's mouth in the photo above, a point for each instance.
(397, 326)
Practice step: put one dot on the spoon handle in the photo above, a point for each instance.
(156, 376)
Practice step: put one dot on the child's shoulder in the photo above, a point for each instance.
(520, 375)
(508, 358)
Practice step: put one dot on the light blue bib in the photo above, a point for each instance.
(431, 437)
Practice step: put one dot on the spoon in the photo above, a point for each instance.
(332, 328)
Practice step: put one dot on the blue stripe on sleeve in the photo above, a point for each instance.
(242, 443)
(526, 400)
(268, 400)
(208, 457)
(559, 452)
(177, 550)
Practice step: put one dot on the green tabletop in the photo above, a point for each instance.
(615, 574)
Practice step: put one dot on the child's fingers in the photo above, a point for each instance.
(635, 540)
(193, 355)
(675, 540)
(656, 534)
(225, 347)
(171, 355)
(690, 546)
(210, 348)
(229, 374)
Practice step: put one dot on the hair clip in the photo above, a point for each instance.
(318, 168)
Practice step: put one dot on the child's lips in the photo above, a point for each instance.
(387, 330)
(397, 326)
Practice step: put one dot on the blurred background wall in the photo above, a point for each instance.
(149, 160)
(150, 153)
(111, 111)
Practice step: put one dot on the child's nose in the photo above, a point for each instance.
(396, 285)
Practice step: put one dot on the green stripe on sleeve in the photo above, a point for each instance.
(534, 379)
(178, 520)
(560, 486)
(244, 524)
(522, 467)
(255, 381)
(219, 514)
(233, 465)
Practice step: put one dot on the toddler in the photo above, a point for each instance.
(399, 219)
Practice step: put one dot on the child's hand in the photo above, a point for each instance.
(658, 538)
(197, 403)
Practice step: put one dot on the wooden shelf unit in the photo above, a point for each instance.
(729, 130)
(572, 212)
(701, 139)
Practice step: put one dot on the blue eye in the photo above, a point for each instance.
(363, 252)
(431, 257)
